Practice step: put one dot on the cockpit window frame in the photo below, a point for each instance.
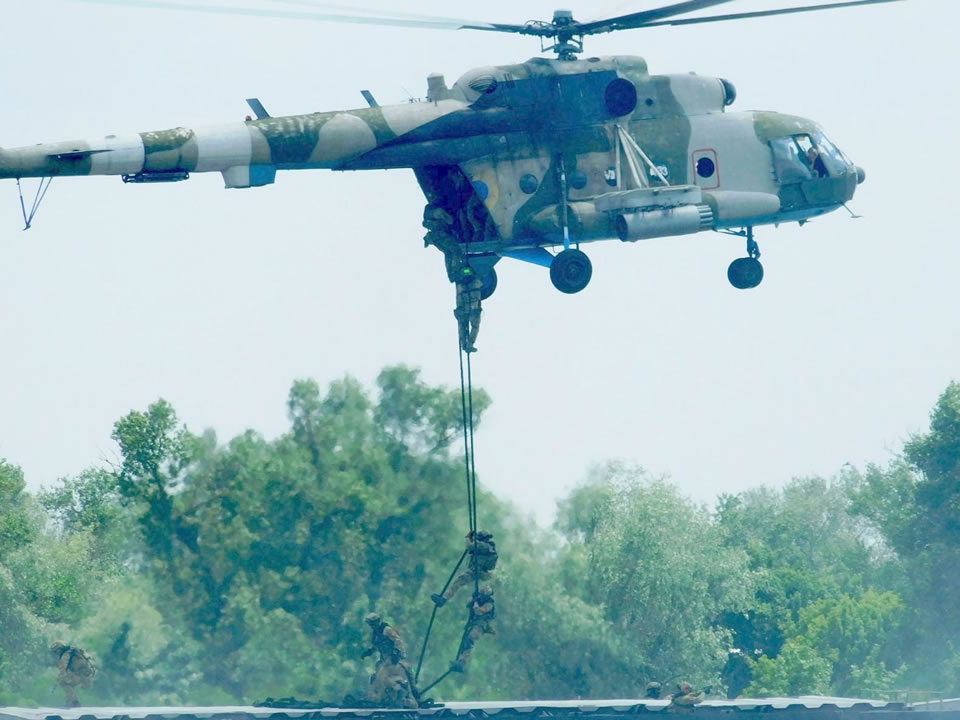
(790, 161)
(788, 164)
(836, 162)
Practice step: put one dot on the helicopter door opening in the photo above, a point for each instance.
(706, 170)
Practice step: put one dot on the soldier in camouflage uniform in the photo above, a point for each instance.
(685, 698)
(74, 669)
(392, 687)
(384, 640)
(442, 233)
(468, 309)
(392, 684)
(483, 560)
(483, 612)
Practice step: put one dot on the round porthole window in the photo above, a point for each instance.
(578, 179)
(529, 184)
(620, 97)
(706, 167)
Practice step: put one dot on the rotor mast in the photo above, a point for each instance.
(569, 41)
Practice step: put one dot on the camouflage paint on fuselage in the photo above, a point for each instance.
(520, 133)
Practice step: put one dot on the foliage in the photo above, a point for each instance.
(656, 561)
(198, 571)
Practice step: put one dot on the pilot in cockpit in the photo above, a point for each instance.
(816, 162)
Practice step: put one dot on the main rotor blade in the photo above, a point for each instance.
(768, 13)
(436, 24)
(376, 12)
(645, 17)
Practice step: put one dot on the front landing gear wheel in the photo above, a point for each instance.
(488, 283)
(745, 273)
(570, 271)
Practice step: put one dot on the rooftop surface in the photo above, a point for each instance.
(543, 708)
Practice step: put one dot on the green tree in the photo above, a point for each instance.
(657, 563)
(17, 528)
(913, 504)
(807, 550)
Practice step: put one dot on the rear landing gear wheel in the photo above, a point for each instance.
(745, 273)
(488, 283)
(570, 271)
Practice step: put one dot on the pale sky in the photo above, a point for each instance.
(217, 300)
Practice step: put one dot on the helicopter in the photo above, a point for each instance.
(527, 161)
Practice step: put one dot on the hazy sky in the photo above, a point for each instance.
(217, 300)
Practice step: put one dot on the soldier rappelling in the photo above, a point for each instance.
(483, 612)
(442, 233)
(483, 559)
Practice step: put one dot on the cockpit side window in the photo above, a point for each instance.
(800, 157)
(836, 162)
(789, 161)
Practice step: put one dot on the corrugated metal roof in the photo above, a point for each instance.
(810, 702)
(938, 704)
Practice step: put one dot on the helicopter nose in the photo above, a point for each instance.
(861, 175)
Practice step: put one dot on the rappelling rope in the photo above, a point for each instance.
(466, 390)
(472, 476)
(433, 615)
(470, 470)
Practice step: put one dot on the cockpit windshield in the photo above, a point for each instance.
(802, 157)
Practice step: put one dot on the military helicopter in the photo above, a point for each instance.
(526, 161)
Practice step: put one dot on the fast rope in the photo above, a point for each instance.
(466, 400)
(470, 471)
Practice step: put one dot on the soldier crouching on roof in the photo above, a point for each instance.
(392, 687)
(483, 612)
(442, 233)
(392, 684)
(74, 669)
(483, 560)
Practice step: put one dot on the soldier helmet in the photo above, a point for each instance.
(372, 618)
(58, 648)
(685, 688)
(481, 535)
(485, 590)
(652, 690)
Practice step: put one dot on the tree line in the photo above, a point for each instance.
(204, 572)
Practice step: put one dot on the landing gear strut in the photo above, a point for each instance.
(746, 273)
(570, 271)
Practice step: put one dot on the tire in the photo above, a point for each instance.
(745, 273)
(570, 271)
(488, 283)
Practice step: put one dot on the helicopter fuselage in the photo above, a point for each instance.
(557, 151)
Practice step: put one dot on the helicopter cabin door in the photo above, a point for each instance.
(706, 169)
